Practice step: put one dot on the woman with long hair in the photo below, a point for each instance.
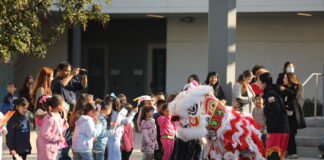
(288, 67)
(43, 84)
(213, 80)
(291, 92)
(243, 93)
(26, 88)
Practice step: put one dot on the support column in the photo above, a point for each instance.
(76, 46)
(221, 42)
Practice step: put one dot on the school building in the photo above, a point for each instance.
(154, 45)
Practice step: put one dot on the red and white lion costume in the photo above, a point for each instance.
(230, 134)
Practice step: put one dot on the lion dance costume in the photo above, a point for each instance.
(231, 135)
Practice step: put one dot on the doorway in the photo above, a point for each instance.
(156, 68)
(96, 58)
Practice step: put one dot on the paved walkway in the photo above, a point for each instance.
(136, 155)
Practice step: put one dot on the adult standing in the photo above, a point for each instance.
(42, 84)
(254, 85)
(213, 80)
(288, 68)
(243, 93)
(192, 78)
(26, 89)
(255, 69)
(276, 119)
(292, 94)
(66, 83)
(25, 92)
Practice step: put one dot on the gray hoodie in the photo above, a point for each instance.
(85, 132)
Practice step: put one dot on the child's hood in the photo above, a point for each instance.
(82, 119)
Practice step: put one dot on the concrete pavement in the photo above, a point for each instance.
(136, 155)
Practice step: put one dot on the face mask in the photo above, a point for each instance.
(290, 70)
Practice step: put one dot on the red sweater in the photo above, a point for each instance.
(256, 89)
(128, 137)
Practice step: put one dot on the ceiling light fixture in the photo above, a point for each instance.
(304, 14)
(154, 16)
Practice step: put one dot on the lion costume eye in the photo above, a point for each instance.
(193, 110)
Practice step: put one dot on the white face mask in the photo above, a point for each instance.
(290, 70)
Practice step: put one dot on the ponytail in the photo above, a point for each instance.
(89, 107)
(53, 102)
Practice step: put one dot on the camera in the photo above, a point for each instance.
(83, 72)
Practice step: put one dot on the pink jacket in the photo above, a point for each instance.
(167, 128)
(51, 130)
(128, 137)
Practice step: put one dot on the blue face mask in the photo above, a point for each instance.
(290, 70)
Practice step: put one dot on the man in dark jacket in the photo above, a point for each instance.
(67, 83)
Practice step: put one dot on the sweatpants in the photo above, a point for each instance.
(167, 145)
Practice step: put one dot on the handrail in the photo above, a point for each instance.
(311, 76)
(316, 89)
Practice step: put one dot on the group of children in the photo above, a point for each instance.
(158, 130)
(101, 129)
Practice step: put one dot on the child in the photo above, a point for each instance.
(3, 131)
(258, 115)
(167, 132)
(118, 118)
(148, 128)
(87, 127)
(100, 144)
(51, 137)
(148, 101)
(41, 112)
(18, 137)
(158, 154)
(9, 99)
(128, 136)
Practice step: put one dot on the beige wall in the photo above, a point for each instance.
(186, 51)
(201, 6)
(274, 40)
(26, 65)
(265, 40)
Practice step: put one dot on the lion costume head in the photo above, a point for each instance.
(230, 134)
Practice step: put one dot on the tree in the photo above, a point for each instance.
(28, 26)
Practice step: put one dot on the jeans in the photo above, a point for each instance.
(64, 153)
(84, 155)
(98, 155)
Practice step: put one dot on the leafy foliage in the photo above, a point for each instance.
(28, 26)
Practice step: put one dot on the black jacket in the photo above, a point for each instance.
(25, 92)
(68, 91)
(219, 93)
(275, 113)
(18, 137)
(292, 97)
(280, 78)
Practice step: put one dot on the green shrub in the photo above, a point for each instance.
(309, 107)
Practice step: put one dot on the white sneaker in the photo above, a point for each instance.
(292, 156)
